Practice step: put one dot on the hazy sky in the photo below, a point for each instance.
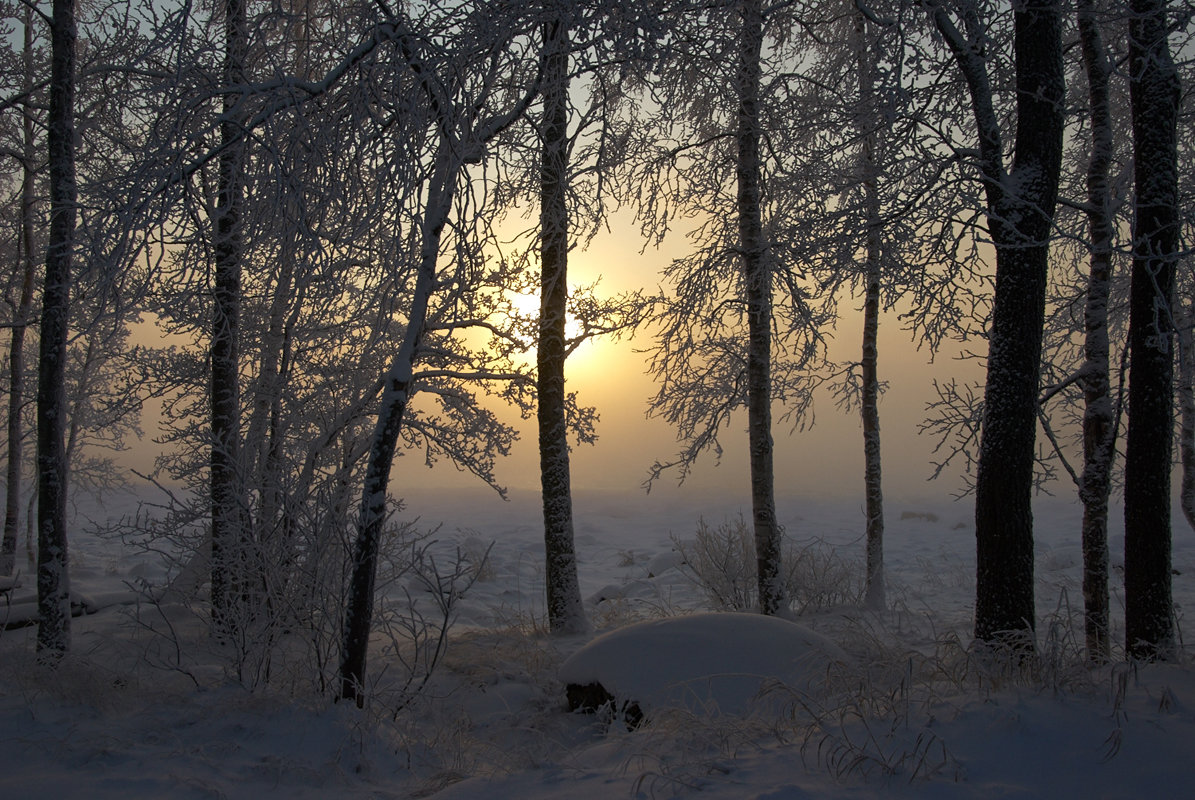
(828, 459)
(824, 460)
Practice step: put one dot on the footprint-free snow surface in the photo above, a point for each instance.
(706, 663)
(862, 705)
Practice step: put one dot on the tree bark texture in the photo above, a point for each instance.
(1154, 92)
(1099, 433)
(1020, 211)
(396, 395)
(53, 578)
(757, 283)
(1186, 405)
(566, 613)
(228, 509)
(869, 406)
(16, 358)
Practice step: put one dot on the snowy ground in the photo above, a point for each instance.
(907, 713)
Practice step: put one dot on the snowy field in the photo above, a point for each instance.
(898, 709)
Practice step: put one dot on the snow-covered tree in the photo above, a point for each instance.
(1099, 424)
(461, 72)
(1155, 91)
(229, 521)
(871, 130)
(100, 387)
(21, 302)
(581, 132)
(566, 613)
(1020, 207)
(53, 578)
(757, 291)
(738, 327)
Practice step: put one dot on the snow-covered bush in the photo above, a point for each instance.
(720, 559)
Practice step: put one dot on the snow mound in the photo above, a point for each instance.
(705, 663)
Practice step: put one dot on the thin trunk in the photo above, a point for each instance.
(16, 359)
(1154, 90)
(1098, 424)
(263, 435)
(566, 613)
(31, 528)
(869, 406)
(264, 429)
(53, 578)
(228, 512)
(757, 282)
(396, 395)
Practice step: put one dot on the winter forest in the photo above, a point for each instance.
(290, 251)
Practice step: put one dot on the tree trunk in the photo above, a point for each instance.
(53, 578)
(1020, 211)
(1154, 89)
(396, 395)
(757, 282)
(1186, 404)
(228, 508)
(1099, 433)
(16, 358)
(566, 613)
(869, 406)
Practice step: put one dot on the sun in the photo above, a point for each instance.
(527, 306)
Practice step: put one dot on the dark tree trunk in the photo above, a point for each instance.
(1186, 404)
(396, 395)
(358, 621)
(1154, 89)
(1020, 211)
(53, 578)
(1099, 433)
(228, 509)
(757, 282)
(16, 358)
(566, 613)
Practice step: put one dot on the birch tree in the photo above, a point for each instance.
(341, 160)
(1186, 406)
(566, 613)
(229, 534)
(725, 343)
(869, 400)
(23, 308)
(1099, 433)
(572, 174)
(100, 395)
(1020, 207)
(878, 166)
(53, 579)
(466, 109)
(757, 283)
(1081, 400)
(1154, 90)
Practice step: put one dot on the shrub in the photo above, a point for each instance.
(720, 560)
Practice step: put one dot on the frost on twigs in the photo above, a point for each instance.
(289, 638)
(720, 560)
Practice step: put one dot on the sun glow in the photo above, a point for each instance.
(526, 306)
